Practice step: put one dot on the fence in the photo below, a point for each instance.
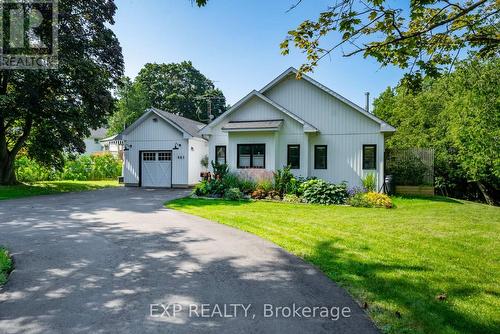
(410, 167)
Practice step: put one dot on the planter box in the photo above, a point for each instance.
(415, 190)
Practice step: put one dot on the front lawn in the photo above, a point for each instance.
(398, 261)
(5, 265)
(52, 187)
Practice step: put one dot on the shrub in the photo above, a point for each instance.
(105, 166)
(371, 200)
(28, 170)
(379, 200)
(265, 185)
(321, 192)
(259, 194)
(233, 194)
(370, 182)
(231, 180)
(216, 188)
(247, 186)
(291, 198)
(201, 189)
(220, 170)
(359, 200)
(282, 178)
(274, 195)
(79, 168)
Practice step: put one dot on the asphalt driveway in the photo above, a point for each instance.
(116, 261)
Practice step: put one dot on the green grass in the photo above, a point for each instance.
(395, 260)
(5, 265)
(52, 187)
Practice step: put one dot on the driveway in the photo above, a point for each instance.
(112, 260)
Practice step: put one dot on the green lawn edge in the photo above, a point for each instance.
(52, 187)
(6, 265)
(453, 242)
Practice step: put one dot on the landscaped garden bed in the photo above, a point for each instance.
(282, 185)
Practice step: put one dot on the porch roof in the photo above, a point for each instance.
(261, 125)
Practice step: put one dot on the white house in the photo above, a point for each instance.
(303, 124)
(92, 143)
(163, 150)
(113, 145)
(299, 123)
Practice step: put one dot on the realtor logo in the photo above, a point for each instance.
(28, 34)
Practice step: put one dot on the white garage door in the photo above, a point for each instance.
(156, 169)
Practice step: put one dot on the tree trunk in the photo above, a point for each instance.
(7, 173)
(484, 191)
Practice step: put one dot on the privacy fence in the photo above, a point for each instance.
(410, 167)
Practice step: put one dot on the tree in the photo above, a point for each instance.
(131, 104)
(458, 115)
(424, 39)
(181, 89)
(49, 112)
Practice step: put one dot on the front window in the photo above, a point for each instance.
(320, 157)
(369, 156)
(293, 156)
(220, 155)
(251, 156)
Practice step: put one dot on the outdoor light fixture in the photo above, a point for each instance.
(177, 146)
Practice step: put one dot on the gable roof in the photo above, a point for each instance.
(98, 133)
(307, 127)
(384, 127)
(185, 125)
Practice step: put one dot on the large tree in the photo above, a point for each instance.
(181, 89)
(131, 104)
(458, 115)
(48, 112)
(422, 37)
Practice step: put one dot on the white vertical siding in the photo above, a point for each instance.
(341, 127)
(158, 135)
(198, 148)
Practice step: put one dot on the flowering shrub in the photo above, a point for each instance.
(353, 191)
(291, 198)
(371, 200)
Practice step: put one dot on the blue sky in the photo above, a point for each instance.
(235, 43)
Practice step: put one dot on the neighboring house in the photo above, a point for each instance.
(289, 122)
(92, 143)
(163, 150)
(113, 145)
(303, 124)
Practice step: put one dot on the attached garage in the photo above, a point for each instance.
(156, 169)
(163, 150)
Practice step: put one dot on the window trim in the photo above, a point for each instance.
(225, 153)
(326, 156)
(251, 156)
(375, 156)
(288, 155)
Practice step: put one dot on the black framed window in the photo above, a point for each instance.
(220, 154)
(320, 156)
(149, 156)
(293, 156)
(251, 156)
(369, 156)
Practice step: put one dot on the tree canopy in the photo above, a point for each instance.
(458, 115)
(48, 112)
(178, 88)
(423, 38)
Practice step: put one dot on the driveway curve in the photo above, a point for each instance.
(117, 261)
